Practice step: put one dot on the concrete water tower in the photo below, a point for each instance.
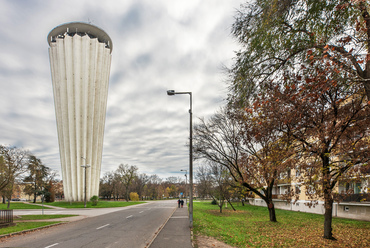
(80, 58)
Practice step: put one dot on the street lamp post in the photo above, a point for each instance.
(172, 93)
(186, 185)
(85, 166)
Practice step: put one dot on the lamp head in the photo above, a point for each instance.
(170, 92)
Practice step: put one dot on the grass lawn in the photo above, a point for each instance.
(21, 205)
(22, 226)
(249, 226)
(43, 217)
(101, 204)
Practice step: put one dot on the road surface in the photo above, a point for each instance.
(128, 227)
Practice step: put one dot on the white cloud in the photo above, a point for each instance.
(157, 45)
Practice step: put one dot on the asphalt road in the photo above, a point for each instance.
(129, 227)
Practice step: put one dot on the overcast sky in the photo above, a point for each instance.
(157, 45)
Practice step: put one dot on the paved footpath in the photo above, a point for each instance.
(176, 232)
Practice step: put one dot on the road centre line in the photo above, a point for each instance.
(129, 216)
(141, 212)
(102, 226)
(52, 245)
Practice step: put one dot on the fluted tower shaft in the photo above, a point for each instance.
(80, 58)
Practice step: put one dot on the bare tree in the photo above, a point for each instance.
(140, 182)
(127, 174)
(204, 181)
(254, 156)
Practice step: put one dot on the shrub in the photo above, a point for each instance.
(214, 202)
(134, 196)
(94, 199)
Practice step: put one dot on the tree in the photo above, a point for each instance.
(221, 181)
(38, 175)
(318, 53)
(275, 35)
(127, 174)
(106, 186)
(153, 186)
(327, 119)
(140, 182)
(204, 180)
(49, 191)
(12, 165)
(58, 188)
(254, 155)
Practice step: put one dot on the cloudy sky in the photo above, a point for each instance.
(157, 45)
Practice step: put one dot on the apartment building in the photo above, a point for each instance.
(352, 198)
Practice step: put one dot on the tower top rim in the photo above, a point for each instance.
(80, 28)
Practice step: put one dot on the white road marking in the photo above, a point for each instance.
(52, 245)
(141, 212)
(102, 226)
(129, 216)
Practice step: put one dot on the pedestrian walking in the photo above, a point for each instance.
(179, 202)
(182, 203)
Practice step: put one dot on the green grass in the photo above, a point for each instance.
(249, 226)
(21, 205)
(23, 226)
(101, 204)
(43, 217)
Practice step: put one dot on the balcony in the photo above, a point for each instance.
(363, 197)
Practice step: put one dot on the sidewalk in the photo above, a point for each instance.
(176, 232)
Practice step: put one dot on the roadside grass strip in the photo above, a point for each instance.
(42, 217)
(101, 204)
(26, 226)
(21, 205)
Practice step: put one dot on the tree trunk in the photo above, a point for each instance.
(328, 198)
(328, 217)
(272, 214)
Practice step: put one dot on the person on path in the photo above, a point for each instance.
(182, 203)
(179, 202)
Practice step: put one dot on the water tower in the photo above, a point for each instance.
(80, 58)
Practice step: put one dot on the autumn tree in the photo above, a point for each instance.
(254, 154)
(37, 177)
(276, 35)
(327, 119)
(12, 165)
(127, 174)
(139, 183)
(153, 187)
